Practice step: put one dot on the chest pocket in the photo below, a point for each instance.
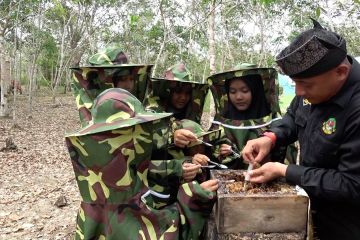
(322, 151)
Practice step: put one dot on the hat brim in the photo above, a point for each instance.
(247, 71)
(93, 128)
(176, 80)
(113, 66)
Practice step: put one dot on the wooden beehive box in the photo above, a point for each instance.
(265, 208)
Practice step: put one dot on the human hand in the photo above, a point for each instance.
(189, 171)
(225, 150)
(256, 150)
(267, 172)
(210, 185)
(200, 159)
(182, 137)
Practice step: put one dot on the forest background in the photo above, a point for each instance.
(41, 39)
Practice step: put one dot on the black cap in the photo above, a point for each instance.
(313, 52)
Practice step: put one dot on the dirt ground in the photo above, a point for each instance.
(39, 172)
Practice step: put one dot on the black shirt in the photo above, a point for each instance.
(329, 171)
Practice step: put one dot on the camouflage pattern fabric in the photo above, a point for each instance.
(232, 161)
(167, 178)
(200, 133)
(111, 161)
(240, 131)
(207, 143)
(269, 78)
(112, 55)
(205, 137)
(89, 81)
(159, 90)
(242, 66)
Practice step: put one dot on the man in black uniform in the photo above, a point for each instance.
(325, 118)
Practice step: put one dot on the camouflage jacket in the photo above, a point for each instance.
(240, 131)
(111, 158)
(159, 90)
(89, 81)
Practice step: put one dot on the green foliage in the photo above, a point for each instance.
(48, 55)
(205, 2)
(59, 9)
(268, 2)
(134, 21)
(246, 31)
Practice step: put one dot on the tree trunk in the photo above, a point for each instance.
(13, 71)
(3, 85)
(204, 73)
(15, 68)
(67, 82)
(164, 38)
(211, 32)
(31, 83)
(59, 71)
(262, 35)
(223, 40)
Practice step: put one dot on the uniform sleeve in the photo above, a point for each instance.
(230, 159)
(195, 205)
(338, 185)
(83, 103)
(165, 176)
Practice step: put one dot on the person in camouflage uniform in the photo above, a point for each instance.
(107, 69)
(239, 129)
(183, 163)
(201, 151)
(178, 93)
(111, 161)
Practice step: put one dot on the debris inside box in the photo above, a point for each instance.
(258, 236)
(234, 182)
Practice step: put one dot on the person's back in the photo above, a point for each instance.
(111, 159)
